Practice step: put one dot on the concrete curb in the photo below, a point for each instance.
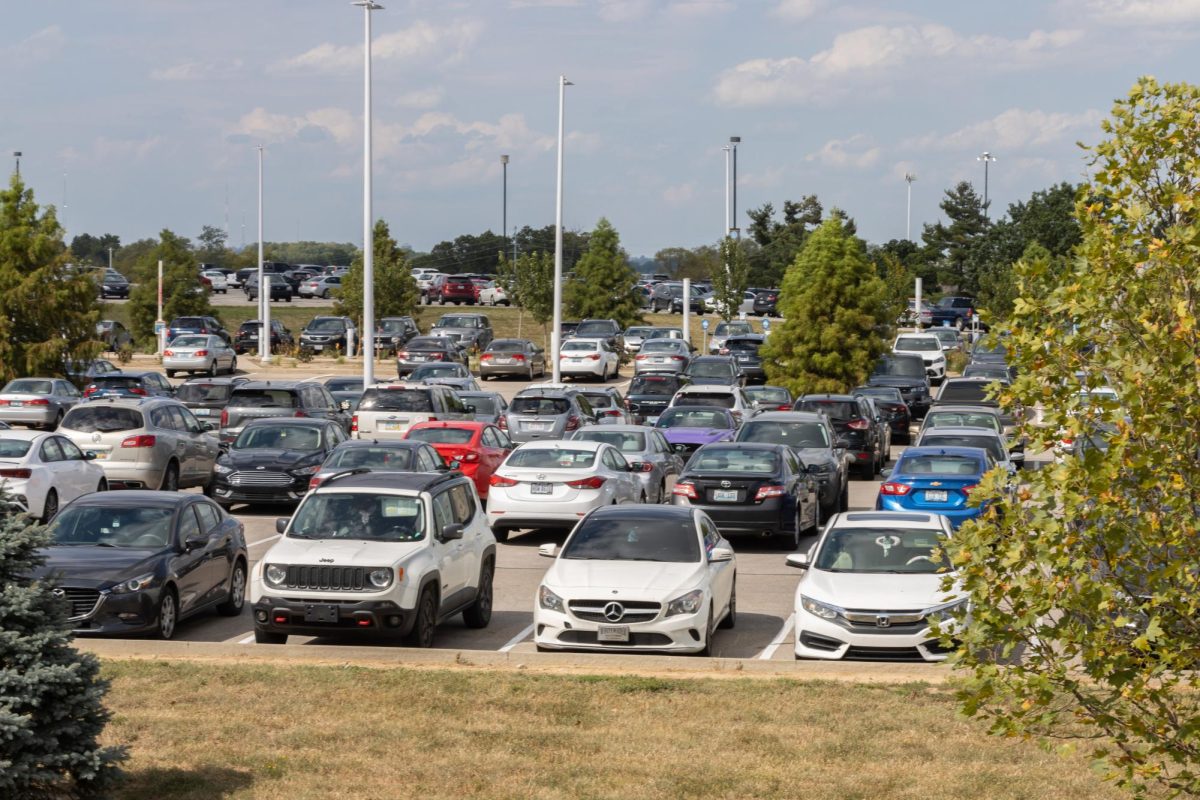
(548, 663)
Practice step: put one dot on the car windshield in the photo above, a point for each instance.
(420, 400)
(938, 465)
(972, 392)
(392, 326)
(344, 384)
(693, 418)
(480, 404)
(451, 370)
(102, 419)
(28, 386)
(600, 329)
(665, 333)
(637, 333)
(14, 448)
(625, 442)
(732, 328)
(507, 346)
(551, 458)
(710, 369)
(793, 434)
(189, 341)
(264, 398)
(918, 344)
(580, 347)
(385, 458)
(834, 409)
(900, 367)
(367, 517)
(429, 343)
(459, 322)
(901, 550)
(188, 322)
(143, 528)
(203, 392)
(662, 346)
(731, 459)
(714, 399)
(743, 345)
(769, 395)
(633, 539)
(653, 384)
(880, 393)
(947, 336)
(990, 443)
(325, 325)
(541, 406)
(278, 437)
(962, 419)
(442, 435)
(117, 382)
(988, 371)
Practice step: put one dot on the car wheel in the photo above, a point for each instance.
(325, 294)
(959, 324)
(441, 301)
(730, 619)
(269, 637)
(479, 613)
(170, 481)
(642, 499)
(844, 500)
(421, 634)
(58, 418)
(233, 365)
(237, 592)
(531, 372)
(50, 507)
(212, 369)
(170, 373)
(168, 615)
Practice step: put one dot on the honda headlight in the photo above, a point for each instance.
(138, 584)
(819, 609)
(275, 574)
(949, 612)
(689, 603)
(380, 578)
(549, 600)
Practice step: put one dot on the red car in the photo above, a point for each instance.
(453, 289)
(474, 448)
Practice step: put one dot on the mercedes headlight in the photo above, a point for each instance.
(549, 600)
(819, 609)
(137, 584)
(275, 574)
(689, 603)
(380, 578)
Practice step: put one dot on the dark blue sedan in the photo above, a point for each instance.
(935, 479)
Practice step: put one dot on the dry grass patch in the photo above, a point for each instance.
(293, 732)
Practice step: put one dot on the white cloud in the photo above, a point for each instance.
(420, 98)
(868, 52)
(798, 9)
(38, 46)
(679, 195)
(425, 41)
(261, 125)
(197, 71)
(699, 8)
(854, 152)
(1144, 12)
(1011, 130)
(623, 10)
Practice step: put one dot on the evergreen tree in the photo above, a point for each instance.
(183, 294)
(48, 314)
(51, 695)
(833, 304)
(605, 285)
(730, 278)
(396, 292)
(951, 245)
(779, 242)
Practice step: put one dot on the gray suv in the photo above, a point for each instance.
(542, 412)
(262, 399)
(469, 330)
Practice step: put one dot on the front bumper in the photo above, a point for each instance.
(223, 491)
(831, 640)
(379, 618)
(681, 633)
(123, 614)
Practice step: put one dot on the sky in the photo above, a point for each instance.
(138, 115)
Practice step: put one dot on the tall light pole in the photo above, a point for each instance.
(986, 158)
(504, 195)
(110, 259)
(909, 177)
(734, 230)
(367, 335)
(264, 291)
(17, 156)
(728, 220)
(556, 331)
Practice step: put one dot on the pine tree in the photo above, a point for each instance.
(48, 314)
(605, 285)
(51, 695)
(954, 242)
(396, 292)
(833, 304)
(183, 294)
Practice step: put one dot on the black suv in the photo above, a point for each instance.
(650, 393)
(327, 333)
(392, 333)
(766, 303)
(855, 423)
(744, 350)
(906, 372)
(248, 332)
(261, 399)
(206, 397)
(280, 288)
(606, 329)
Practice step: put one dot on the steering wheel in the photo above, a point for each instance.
(915, 559)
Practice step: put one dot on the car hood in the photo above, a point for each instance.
(268, 459)
(695, 435)
(896, 381)
(84, 565)
(615, 579)
(875, 591)
(340, 552)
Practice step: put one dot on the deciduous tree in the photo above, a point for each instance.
(730, 278)
(396, 292)
(952, 244)
(183, 294)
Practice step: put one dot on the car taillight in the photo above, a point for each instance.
(16, 473)
(641, 466)
(500, 480)
(89, 391)
(594, 482)
(895, 489)
(502, 423)
(572, 423)
(402, 354)
(518, 357)
(784, 407)
(770, 490)
(488, 357)
(142, 440)
(612, 412)
(594, 357)
(859, 425)
(640, 357)
(685, 489)
(967, 489)
(224, 417)
(438, 356)
(40, 401)
(354, 423)
(724, 351)
(201, 352)
(678, 358)
(137, 390)
(168, 352)
(314, 482)
(469, 457)
(300, 413)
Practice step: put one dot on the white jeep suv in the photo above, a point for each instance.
(929, 348)
(388, 555)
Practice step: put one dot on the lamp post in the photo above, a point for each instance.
(110, 259)
(504, 196)
(556, 331)
(728, 222)
(909, 177)
(17, 156)
(734, 230)
(987, 158)
(264, 290)
(368, 332)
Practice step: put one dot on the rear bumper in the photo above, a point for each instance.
(28, 415)
(124, 475)
(768, 516)
(957, 516)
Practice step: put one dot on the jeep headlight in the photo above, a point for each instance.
(689, 603)
(549, 600)
(819, 609)
(275, 574)
(138, 584)
(380, 578)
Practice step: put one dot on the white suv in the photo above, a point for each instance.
(928, 347)
(387, 411)
(388, 555)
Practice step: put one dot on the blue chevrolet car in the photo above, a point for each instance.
(935, 479)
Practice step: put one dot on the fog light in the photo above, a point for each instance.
(394, 621)
(127, 617)
(260, 615)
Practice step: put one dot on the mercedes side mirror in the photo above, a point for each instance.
(798, 560)
(720, 554)
(548, 550)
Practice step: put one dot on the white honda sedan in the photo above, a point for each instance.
(656, 578)
(42, 472)
(554, 484)
(872, 587)
(588, 358)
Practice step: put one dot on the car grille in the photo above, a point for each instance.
(332, 579)
(260, 478)
(636, 639)
(82, 601)
(883, 654)
(634, 610)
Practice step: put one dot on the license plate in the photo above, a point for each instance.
(416, 358)
(16, 403)
(539, 426)
(576, 360)
(100, 454)
(320, 612)
(392, 425)
(725, 495)
(201, 412)
(541, 488)
(504, 361)
(936, 495)
(612, 633)
(318, 347)
(660, 361)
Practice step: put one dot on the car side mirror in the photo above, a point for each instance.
(344, 405)
(548, 550)
(195, 543)
(797, 560)
(681, 449)
(720, 554)
(90, 455)
(452, 531)
(209, 427)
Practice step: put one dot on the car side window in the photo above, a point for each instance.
(179, 421)
(425, 461)
(712, 537)
(50, 451)
(70, 451)
(454, 403)
(210, 518)
(161, 418)
(585, 406)
(327, 401)
(189, 526)
(443, 513)
(489, 438)
(461, 503)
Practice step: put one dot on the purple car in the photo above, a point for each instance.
(686, 428)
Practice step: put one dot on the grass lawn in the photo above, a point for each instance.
(226, 730)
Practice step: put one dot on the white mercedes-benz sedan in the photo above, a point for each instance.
(641, 577)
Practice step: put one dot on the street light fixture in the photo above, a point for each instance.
(987, 158)
(556, 331)
(367, 335)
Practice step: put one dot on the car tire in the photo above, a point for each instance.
(479, 613)
(421, 634)
(844, 498)
(663, 497)
(167, 618)
(233, 365)
(170, 373)
(170, 481)
(212, 369)
(729, 621)
(289, 298)
(325, 295)
(501, 534)
(50, 507)
(232, 606)
(269, 637)
(58, 418)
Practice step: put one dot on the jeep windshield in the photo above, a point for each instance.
(362, 516)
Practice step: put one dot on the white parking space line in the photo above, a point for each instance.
(247, 640)
(264, 541)
(516, 640)
(766, 654)
(238, 639)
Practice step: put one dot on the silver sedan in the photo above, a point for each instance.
(662, 355)
(37, 402)
(647, 451)
(195, 352)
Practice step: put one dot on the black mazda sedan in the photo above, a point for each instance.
(138, 562)
(272, 460)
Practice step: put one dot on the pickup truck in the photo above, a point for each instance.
(957, 312)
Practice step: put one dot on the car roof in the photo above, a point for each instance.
(685, 407)
(546, 444)
(706, 388)
(128, 374)
(722, 359)
(596, 340)
(291, 422)
(771, 446)
(960, 430)
(137, 498)
(390, 444)
(617, 428)
(271, 384)
(934, 450)
(840, 397)
(27, 435)
(965, 408)
(452, 423)
(218, 381)
(914, 519)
